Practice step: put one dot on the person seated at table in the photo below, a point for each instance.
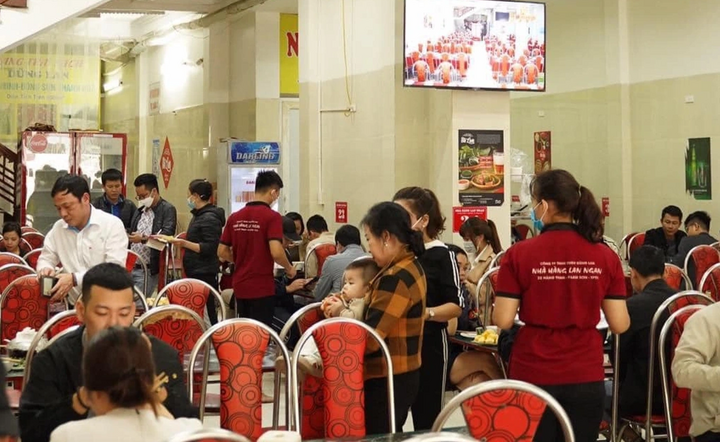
(51, 398)
(481, 239)
(697, 226)
(696, 366)
(667, 237)
(647, 265)
(318, 234)
(349, 248)
(467, 368)
(11, 235)
(119, 388)
(298, 249)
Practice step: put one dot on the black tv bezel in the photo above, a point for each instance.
(466, 88)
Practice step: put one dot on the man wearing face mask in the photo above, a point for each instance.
(155, 216)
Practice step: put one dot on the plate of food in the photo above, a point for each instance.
(486, 181)
(468, 334)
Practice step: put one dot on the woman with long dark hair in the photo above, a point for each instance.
(560, 280)
(444, 301)
(396, 308)
(119, 389)
(481, 240)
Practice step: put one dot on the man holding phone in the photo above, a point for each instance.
(81, 239)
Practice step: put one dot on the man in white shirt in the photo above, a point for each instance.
(319, 235)
(697, 366)
(81, 239)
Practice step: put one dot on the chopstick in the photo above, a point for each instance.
(160, 380)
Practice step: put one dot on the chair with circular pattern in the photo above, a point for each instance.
(26, 229)
(676, 400)
(22, 305)
(710, 282)
(32, 257)
(676, 278)
(208, 435)
(485, 294)
(193, 294)
(52, 328)
(504, 410)
(10, 258)
(35, 239)
(319, 252)
(635, 243)
(240, 345)
(133, 259)
(178, 253)
(444, 436)
(11, 272)
(341, 343)
(698, 261)
(624, 246)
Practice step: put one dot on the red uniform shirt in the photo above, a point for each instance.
(249, 231)
(561, 280)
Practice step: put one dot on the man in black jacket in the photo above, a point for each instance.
(155, 217)
(697, 226)
(113, 201)
(667, 238)
(50, 397)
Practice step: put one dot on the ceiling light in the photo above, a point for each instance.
(112, 85)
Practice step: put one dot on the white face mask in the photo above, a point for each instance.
(147, 202)
(469, 247)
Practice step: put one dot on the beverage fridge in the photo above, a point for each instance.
(239, 162)
(45, 156)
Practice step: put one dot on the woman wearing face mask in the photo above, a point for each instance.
(560, 280)
(481, 240)
(200, 260)
(444, 301)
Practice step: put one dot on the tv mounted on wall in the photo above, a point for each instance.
(474, 44)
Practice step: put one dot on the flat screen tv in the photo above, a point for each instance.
(474, 44)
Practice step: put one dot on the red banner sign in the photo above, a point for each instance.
(462, 214)
(606, 206)
(167, 164)
(341, 213)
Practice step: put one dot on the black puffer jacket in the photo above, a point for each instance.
(205, 229)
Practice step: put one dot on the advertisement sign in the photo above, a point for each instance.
(167, 164)
(341, 213)
(154, 93)
(606, 206)
(38, 143)
(245, 152)
(462, 214)
(543, 152)
(481, 163)
(288, 53)
(156, 157)
(698, 177)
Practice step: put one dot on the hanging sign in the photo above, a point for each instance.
(341, 213)
(462, 214)
(167, 164)
(244, 152)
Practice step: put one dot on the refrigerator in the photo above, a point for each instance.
(239, 162)
(45, 156)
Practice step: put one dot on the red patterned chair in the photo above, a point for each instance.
(497, 260)
(649, 421)
(177, 258)
(22, 305)
(32, 257)
(341, 342)
(676, 278)
(25, 247)
(52, 328)
(35, 239)
(524, 231)
(624, 246)
(26, 229)
(504, 410)
(175, 325)
(321, 252)
(207, 435)
(192, 294)
(240, 345)
(9, 258)
(635, 243)
(677, 400)
(486, 285)
(710, 283)
(132, 259)
(11, 272)
(699, 261)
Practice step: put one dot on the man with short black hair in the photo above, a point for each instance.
(112, 200)
(253, 240)
(318, 233)
(349, 248)
(50, 397)
(697, 226)
(156, 216)
(667, 237)
(82, 238)
(647, 265)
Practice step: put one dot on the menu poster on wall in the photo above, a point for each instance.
(156, 157)
(543, 152)
(481, 164)
(698, 177)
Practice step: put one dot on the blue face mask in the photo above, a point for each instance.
(537, 223)
(191, 204)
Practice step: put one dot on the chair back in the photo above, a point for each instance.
(35, 239)
(11, 272)
(208, 435)
(624, 246)
(675, 399)
(175, 325)
(32, 257)
(134, 258)
(699, 261)
(667, 308)
(497, 260)
(710, 283)
(192, 294)
(524, 231)
(635, 243)
(240, 345)
(26, 229)
(321, 251)
(504, 409)
(178, 253)
(441, 437)
(22, 305)
(487, 285)
(341, 342)
(10, 258)
(52, 328)
(676, 278)
(141, 305)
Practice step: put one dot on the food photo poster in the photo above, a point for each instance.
(698, 179)
(481, 167)
(543, 151)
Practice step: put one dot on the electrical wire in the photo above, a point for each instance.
(345, 57)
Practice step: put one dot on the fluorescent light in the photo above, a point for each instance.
(111, 85)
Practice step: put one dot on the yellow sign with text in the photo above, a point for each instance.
(289, 69)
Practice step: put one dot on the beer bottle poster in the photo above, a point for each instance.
(481, 171)
(698, 179)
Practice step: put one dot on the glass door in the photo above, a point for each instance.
(97, 152)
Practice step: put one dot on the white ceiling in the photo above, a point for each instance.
(199, 6)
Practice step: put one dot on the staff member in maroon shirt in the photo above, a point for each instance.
(560, 280)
